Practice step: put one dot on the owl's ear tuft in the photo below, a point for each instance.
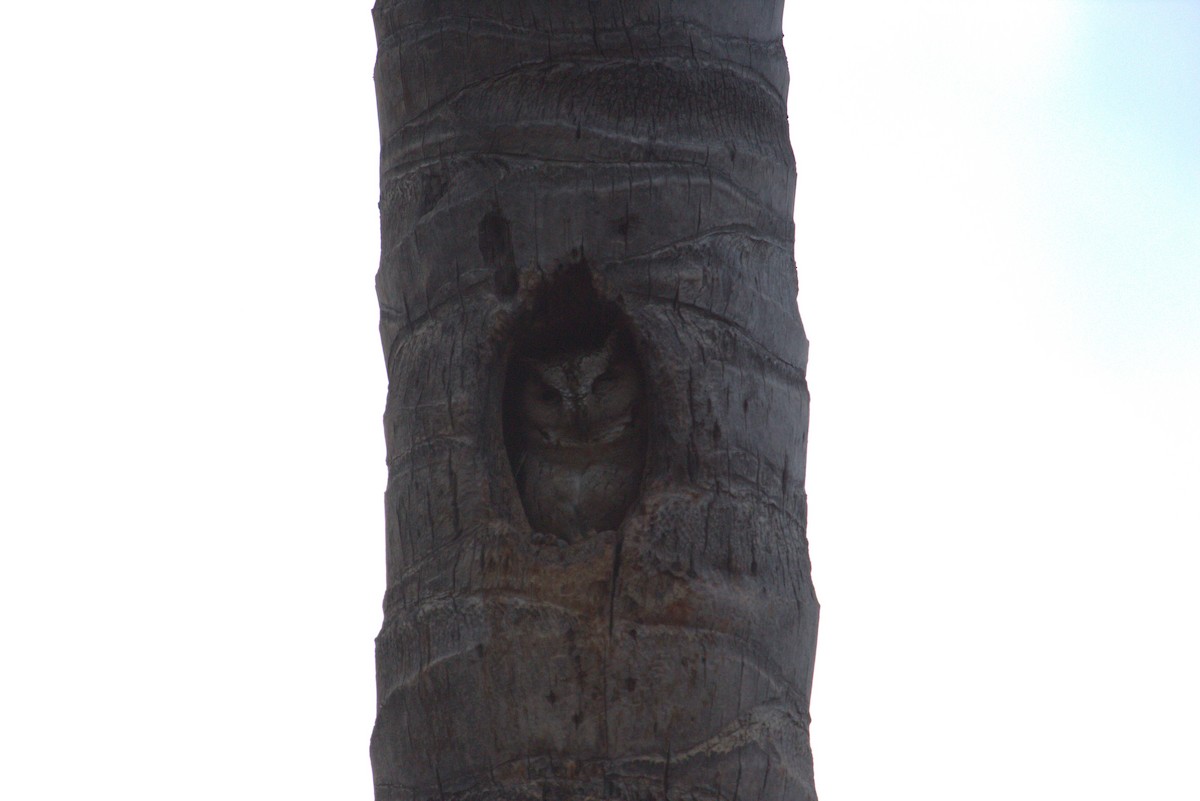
(618, 341)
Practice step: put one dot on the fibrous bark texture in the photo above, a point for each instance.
(639, 149)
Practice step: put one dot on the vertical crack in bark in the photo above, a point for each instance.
(667, 771)
(612, 604)
(737, 782)
(612, 590)
(453, 479)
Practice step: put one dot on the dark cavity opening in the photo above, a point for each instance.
(574, 409)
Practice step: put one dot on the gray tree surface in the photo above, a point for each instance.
(552, 172)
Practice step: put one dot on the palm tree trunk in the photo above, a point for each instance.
(643, 144)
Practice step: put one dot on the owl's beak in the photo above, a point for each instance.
(580, 419)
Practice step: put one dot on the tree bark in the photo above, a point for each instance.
(645, 144)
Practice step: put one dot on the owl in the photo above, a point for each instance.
(579, 444)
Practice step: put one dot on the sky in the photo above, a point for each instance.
(998, 245)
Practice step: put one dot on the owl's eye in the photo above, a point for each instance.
(607, 377)
(549, 395)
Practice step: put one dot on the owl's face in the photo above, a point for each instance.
(582, 398)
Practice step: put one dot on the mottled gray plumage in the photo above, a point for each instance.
(580, 441)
